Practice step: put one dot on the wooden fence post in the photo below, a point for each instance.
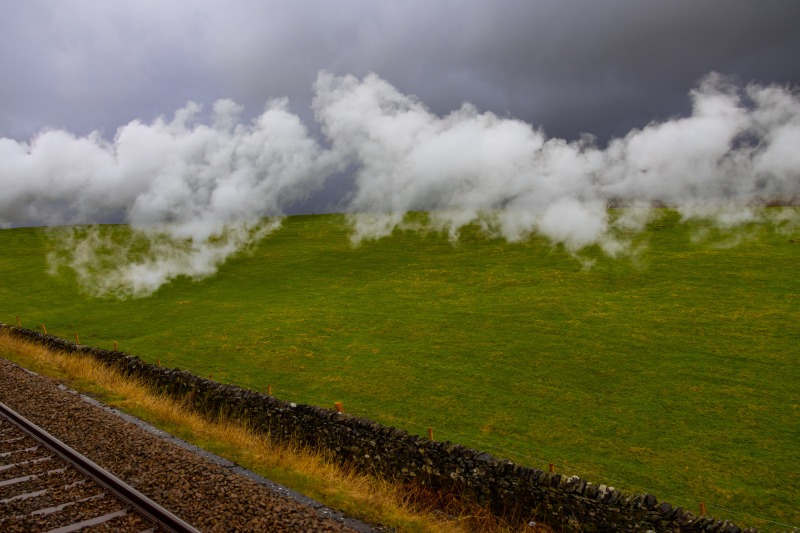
(77, 341)
(18, 324)
(430, 433)
(552, 468)
(339, 408)
(44, 329)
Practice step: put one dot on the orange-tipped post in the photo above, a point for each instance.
(339, 408)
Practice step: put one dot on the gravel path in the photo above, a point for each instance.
(200, 491)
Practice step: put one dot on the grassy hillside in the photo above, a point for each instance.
(674, 372)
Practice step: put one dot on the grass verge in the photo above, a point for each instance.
(305, 470)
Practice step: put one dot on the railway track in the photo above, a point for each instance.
(47, 486)
(211, 493)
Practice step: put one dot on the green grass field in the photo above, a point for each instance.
(674, 372)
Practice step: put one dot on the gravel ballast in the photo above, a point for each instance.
(209, 493)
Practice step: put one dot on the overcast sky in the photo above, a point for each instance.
(568, 66)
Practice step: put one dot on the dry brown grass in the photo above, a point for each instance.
(405, 507)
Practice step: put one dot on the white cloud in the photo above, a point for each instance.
(197, 190)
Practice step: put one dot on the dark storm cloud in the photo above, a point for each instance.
(569, 66)
(597, 67)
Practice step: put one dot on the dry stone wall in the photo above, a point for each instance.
(510, 490)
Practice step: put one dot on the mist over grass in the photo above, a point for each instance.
(671, 369)
(122, 262)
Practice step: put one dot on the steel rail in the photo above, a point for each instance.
(141, 503)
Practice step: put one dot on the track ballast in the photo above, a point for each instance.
(46, 485)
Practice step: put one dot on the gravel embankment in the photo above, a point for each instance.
(203, 493)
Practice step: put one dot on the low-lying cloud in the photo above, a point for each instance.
(737, 146)
(194, 193)
(198, 187)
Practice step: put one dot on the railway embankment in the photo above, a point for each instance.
(207, 494)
